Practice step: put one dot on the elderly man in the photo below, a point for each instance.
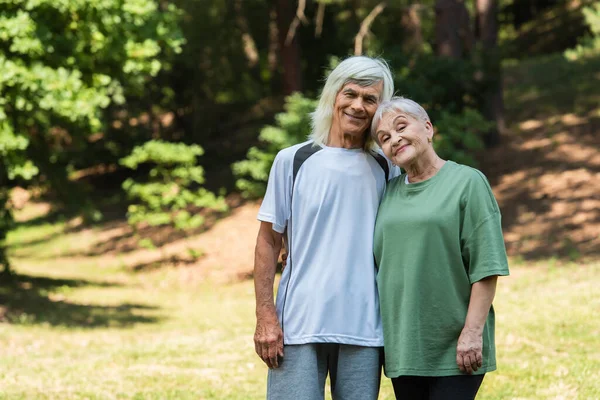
(322, 199)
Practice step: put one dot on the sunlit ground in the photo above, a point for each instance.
(91, 331)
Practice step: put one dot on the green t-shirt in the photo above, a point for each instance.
(433, 240)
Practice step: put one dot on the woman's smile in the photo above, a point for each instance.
(401, 148)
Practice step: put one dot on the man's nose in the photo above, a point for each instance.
(358, 104)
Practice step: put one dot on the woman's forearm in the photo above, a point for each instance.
(482, 295)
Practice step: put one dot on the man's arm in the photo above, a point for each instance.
(268, 337)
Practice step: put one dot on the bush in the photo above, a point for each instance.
(292, 127)
(173, 185)
(458, 136)
(589, 45)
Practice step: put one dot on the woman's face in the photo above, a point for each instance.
(403, 138)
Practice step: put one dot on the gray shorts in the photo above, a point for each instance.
(354, 371)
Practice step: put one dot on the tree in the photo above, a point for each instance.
(173, 186)
(289, 49)
(453, 36)
(63, 63)
(487, 30)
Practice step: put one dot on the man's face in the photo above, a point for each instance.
(354, 108)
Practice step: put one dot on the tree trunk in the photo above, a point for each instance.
(273, 41)
(452, 28)
(248, 41)
(5, 223)
(289, 53)
(487, 28)
(411, 23)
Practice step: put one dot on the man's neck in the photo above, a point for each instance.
(345, 141)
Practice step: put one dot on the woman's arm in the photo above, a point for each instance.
(469, 349)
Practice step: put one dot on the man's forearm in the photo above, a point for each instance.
(265, 265)
(482, 295)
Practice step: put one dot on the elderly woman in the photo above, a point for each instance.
(439, 249)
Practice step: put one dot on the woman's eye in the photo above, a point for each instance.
(385, 139)
(400, 128)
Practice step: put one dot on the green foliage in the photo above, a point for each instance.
(292, 127)
(439, 84)
(173, 186)
(458, 136)
(64, 62)
(589, 45)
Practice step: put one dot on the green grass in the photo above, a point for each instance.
(84, 330)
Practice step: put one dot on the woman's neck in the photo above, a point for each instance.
(424, 167)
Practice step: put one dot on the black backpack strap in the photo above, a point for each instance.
(302, 155)
(382, 163)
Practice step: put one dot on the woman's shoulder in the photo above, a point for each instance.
(476, 187)
(469, 175)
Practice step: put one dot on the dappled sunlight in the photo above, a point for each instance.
(546, 176)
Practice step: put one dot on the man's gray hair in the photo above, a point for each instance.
(398, 104)
(361, 70)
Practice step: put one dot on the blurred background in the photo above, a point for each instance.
(136, 137)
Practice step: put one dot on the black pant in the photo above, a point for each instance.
(459, 387)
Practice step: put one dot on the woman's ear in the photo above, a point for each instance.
(429, 130)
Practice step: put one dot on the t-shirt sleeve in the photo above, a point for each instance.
(276, 204)
(482, 242)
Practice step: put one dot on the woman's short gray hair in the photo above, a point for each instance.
(361, 70)
(398, 104)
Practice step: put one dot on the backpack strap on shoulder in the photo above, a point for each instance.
(382, 163)
(302, 155)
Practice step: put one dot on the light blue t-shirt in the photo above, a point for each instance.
(328, 291)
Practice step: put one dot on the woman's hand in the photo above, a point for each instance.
(469, 350)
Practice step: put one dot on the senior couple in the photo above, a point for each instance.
(382, 267)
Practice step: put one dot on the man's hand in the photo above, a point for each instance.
(268, 339)
(469, 355)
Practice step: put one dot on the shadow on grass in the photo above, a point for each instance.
(31, 300)
(120, 238)
(112, 212)
(176, 261)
